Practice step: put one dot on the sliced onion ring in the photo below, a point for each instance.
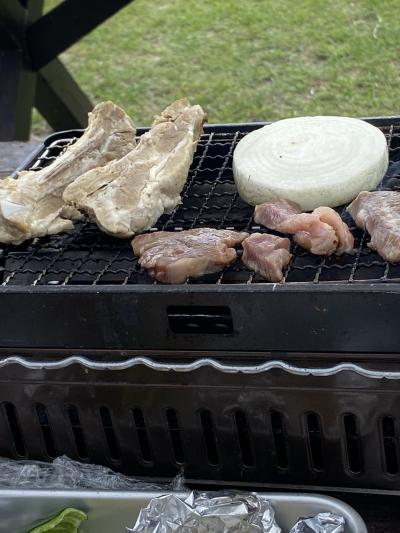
(314, 161)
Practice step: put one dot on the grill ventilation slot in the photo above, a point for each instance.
(109, 434)
(279, 436)
(77, 432)
(353, 449)
(174, 431)
(315, 441)
(43, 418)
(200, 320)
(142, 434)
(13, 424)
(244, 439)
(207, 424)
(389, 436)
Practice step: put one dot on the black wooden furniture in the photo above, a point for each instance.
(31, 73)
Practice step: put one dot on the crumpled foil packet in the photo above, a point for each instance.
(321, 523)
(64, 473)
(202, 512)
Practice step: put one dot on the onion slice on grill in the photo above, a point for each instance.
(313, 161)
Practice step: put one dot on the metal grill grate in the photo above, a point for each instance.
(86, 256)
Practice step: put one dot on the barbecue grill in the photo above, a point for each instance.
(232, 379)
(85, 290)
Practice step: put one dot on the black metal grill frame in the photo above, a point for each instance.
(84, 290)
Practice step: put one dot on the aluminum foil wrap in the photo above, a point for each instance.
(65, 473)
(202, 512)
(321, 523)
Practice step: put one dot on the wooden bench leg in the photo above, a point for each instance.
(59, 98)
(30, 72)
(18, 80)
(16, 96)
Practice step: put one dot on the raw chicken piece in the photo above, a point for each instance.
(173, 257)
(312, 234)
(331, 217)
(322, 232)
(32, 205)
(267, 255)
(309, 231)
(379, 213)
(128, 196)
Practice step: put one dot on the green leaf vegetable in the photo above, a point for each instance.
(67, 521)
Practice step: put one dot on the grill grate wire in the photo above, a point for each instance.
(86, 256)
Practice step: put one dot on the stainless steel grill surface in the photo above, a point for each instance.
(86, 256)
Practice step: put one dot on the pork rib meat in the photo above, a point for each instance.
(32, 205)
(129, 195)
(172, 257)
(267, 255)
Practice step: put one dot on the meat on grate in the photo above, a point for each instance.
(32, 205)
(267, 255)
(172, 257)
(378, 212)
(128, 196)
(322, 232)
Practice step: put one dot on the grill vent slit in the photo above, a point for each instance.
(77, 432)
(109, 434)
(200, 320)
(175, 433)
(13, 424)
(244, 438)
(390, 445)
(353, 445)
(280, 439)
(143, 437)
(207, 424)
(43, 418)
(315, 441)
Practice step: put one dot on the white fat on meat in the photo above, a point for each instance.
(267, 255)
(378, 212)
(322, 232)
(173, 257)
(32, 205)
(128, 196)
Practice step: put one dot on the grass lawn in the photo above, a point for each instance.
(245, 60)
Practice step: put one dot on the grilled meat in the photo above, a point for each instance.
(172, 257)
(322, 232)
(378, 212)
(32, 205)
(129, 195)
(267, 255)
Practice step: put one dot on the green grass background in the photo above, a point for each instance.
(245, 60)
